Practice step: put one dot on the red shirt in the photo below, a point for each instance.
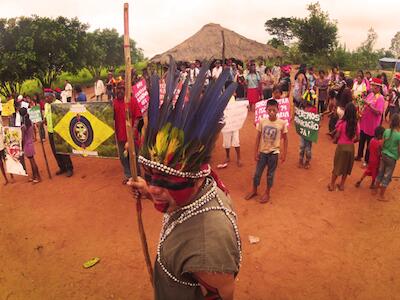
(375, 147)
(119, 117)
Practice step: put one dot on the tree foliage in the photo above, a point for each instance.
(395, 45)
(317, 34)
(281, 28)
(43, 48)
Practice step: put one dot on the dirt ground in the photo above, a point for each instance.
(314, 244)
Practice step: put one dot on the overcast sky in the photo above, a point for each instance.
(159, 25)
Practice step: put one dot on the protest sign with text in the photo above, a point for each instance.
(283, 113)
(8, 108)
(307, 124)
(141, 94)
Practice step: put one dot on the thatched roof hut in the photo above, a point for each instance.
(207, 43)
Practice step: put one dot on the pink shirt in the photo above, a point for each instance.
(343, 138)
(370, 119)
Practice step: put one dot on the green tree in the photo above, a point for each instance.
(281, 28)
(317, 34)
(105, 49)
(17, 61)
(395, 45)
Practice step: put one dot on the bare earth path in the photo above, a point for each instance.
(314, 244)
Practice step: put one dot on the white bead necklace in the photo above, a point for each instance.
(189, 211)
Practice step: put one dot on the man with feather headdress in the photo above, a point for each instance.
(199, 252)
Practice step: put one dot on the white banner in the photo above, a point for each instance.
(234, 115)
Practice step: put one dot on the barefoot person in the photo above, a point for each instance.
(199, 251)
(390, 154)
(270, 133)
(375, 153)
(347, 133)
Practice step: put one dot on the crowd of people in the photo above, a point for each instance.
(175, 151)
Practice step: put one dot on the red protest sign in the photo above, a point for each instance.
(141, 94)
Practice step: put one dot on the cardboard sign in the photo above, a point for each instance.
(283, 113)
(34, 114)
(235, 114)
(8, 108)
(307, 124)
(141, 94)
(13, 146)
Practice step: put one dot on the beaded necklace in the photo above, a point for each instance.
(193, 209)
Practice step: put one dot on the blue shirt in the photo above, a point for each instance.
(81, 97)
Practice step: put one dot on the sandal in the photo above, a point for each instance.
(222, 166)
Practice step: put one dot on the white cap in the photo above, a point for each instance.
(20, 97)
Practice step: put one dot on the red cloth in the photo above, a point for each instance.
(375, 147)
(253, 95)
(119, 117)
(311, 109)
(42, 103)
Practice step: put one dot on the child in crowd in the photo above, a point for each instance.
(390, 154)
(230, 139)
(306, 145)
(2, 153)
(270, 133)
(81, 97)
(332, 113)
(347, 133)
(27, 144)
(375, 151)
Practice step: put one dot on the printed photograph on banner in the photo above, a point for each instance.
(84, 129)
(13, 146)
(283, 113)
(307, 124)
(139, 91)
(235, 115)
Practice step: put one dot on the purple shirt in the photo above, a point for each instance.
(370, 119)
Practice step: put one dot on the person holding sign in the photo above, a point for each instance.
(2, 154)
(347, 133)
(305, 144)
(270, 133)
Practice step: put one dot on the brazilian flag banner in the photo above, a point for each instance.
(85, 129)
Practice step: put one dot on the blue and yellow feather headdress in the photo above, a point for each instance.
(181, 136)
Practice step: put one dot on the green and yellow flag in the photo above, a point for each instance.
(84, 129)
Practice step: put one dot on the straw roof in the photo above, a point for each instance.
(207, 43)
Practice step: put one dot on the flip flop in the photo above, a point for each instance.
(222, 166)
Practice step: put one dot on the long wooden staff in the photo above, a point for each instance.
(129, 130)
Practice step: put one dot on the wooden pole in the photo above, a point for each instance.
(129, 130)
(223, 47)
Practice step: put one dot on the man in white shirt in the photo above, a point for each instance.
(68, 90)
(217, 70)
(193, 72)
(99, 89)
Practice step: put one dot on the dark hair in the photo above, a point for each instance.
(321, 72)
(362, 73)
(78, 88)
(25, 117)
(384, 79)
(379, 132)
(345, 97)
(368, 72)
(302, 70)
(350, 117)
(349, 83)
(394, 123)
(332, 93)
(277, 88)
(272, 102)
